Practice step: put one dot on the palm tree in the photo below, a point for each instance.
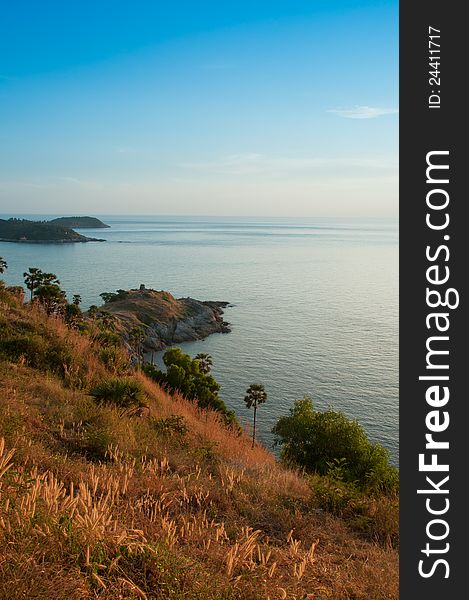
(136, 339)
(51, 297)
(3, 265)
(33, 279)
(255, 395)
(76, 299)
(49, 279)
(205, 362)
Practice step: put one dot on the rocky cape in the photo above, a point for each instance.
(80, 222)
(39, 232)
(166, 320)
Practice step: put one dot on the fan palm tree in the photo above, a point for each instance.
(3, 265)
(33, 279)
(255, 395)
(137, 339)
(205, 362)
(51, 297)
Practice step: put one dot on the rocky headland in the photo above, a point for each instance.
(166, 320)
(80, 222)
(39, 232)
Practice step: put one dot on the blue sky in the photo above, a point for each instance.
(243, 108)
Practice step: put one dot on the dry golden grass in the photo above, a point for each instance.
(96, 504)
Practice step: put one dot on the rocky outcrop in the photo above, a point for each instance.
(39, 232)
(167, 320)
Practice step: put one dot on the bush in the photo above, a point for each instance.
(375, 517)
(336, 496)
(169, 426)
(184, 376)
(37, 352)
(122, 392)
(114, 359)
(108, 339)
(29, 347)
(324, 441)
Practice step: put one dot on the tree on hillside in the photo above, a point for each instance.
(49, 279)
(72, 315)
(76, 299)
(183, 375)
(205, 362)
(255, 395)
(136, 339)
(32, 279)
(52, 297)
(108, 297)
(3, 265)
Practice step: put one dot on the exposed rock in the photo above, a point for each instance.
(165, 319)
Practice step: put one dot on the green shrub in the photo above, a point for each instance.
(374, 516)
(37, 351)
(183, 375)
(114, 360)
(31, 348)
(123, 392)
(169, 426)
(324, 441)
(108, 339)
(97, 442)
(207, 456)
(336, 496)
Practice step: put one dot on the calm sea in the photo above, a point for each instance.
(314, 302)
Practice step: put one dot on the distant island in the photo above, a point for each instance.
(165, 319)
(80, 222)
(22, 230)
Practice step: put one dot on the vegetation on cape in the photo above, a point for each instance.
(152, 320)
(23, 230)
(80, 222)
(184, 376)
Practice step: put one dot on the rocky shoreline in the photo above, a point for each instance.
(206, 318)
(166, 320)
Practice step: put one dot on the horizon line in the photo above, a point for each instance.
(189, 215)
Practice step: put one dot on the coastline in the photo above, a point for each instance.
(52, 241)
(166, 320)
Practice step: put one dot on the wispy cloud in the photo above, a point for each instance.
(67, 179)
(125, 150)
(252, 163)
(363, 112)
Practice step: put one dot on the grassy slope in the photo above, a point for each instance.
(94, 504)
(148, 306)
